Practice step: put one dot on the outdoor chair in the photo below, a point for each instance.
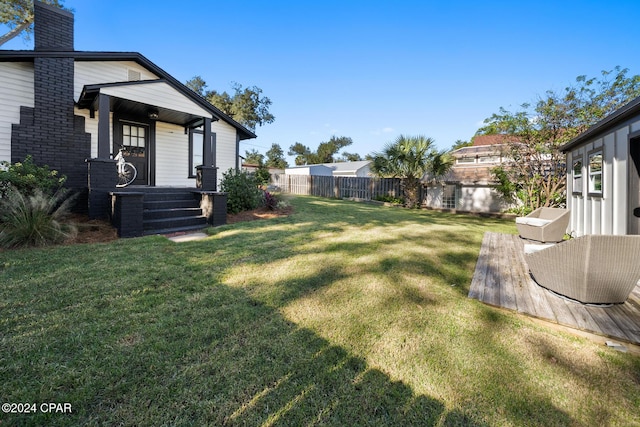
(544, 225)
(592, 269)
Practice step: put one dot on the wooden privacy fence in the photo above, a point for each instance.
(342, 187)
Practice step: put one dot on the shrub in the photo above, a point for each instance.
(262, 175)
(37, 219)
(242, 191)
(27, 177)
(389, 199)
(275, 201)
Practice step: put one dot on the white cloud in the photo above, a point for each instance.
(383, 130)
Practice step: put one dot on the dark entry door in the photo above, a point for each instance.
(134, 141)
(634, 186)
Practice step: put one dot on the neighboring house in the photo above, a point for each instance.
(73, 110)
(356, 169)
(469, 185)
(603, 175)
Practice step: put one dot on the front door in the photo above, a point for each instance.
(634, 186)
(133, 139)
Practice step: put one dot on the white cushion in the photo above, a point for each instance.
(536, 222)
(531, 248)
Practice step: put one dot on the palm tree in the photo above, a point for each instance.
(440, 163)
(409, 158)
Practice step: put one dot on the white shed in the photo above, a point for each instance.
(317, 170)
(603, 175)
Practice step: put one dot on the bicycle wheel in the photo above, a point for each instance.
(126, 175)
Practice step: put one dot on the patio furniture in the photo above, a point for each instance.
(544, 225)
(592, 269)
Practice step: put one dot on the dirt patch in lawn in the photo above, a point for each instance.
(92, 231)
(97, 231)
(256, 214)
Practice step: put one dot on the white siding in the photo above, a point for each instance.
(620, 181)
(16, 89)
(607, 214)
(95, 72)
(172, 156)
(159, 94)
(225, 147)
(91, 126)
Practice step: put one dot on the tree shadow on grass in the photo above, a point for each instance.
(212, 356)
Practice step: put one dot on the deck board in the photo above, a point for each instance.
(501, 278)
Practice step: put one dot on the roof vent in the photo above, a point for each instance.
(133, 75)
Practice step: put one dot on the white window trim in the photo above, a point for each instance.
(593, 174)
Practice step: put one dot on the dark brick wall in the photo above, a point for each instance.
(126, 213)
(102, 179)
(53, 29)
(50, 132)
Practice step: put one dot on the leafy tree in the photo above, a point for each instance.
(349, 157)
(275, 157)
(409, 158)
(535, 165)
(461, 144)
(302, 153)
(198, 85)
(324, 154)
(18, 15)
(246, 105)
(253, 157)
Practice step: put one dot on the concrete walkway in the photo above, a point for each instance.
(188, 237)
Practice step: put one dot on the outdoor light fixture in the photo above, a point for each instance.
(153, 114)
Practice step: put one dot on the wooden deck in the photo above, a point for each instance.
(501, 279)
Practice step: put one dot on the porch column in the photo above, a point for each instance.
(102, 172)
(103, 127)
(206, 140)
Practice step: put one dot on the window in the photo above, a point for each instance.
(133, 140)
(450, 196)
(196, 151)
(466, 160)
(489, 159)
(595, 173)
(577, 176)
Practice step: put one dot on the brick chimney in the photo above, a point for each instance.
(53, 28)
(50, 132)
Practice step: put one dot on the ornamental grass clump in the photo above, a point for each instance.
(38, 219)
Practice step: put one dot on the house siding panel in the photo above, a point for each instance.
(619, 182)
(16, 90)
(158, 94)
(226, 155)
(94, 72)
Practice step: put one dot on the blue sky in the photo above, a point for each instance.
(370, 70)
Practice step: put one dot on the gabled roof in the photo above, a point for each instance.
(493, 139)
(620, 115)
(342, 167)
(217, 114)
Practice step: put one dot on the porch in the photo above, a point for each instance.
(501, 279)
(141, 210)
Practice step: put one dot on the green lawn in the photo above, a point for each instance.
(341, 314)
